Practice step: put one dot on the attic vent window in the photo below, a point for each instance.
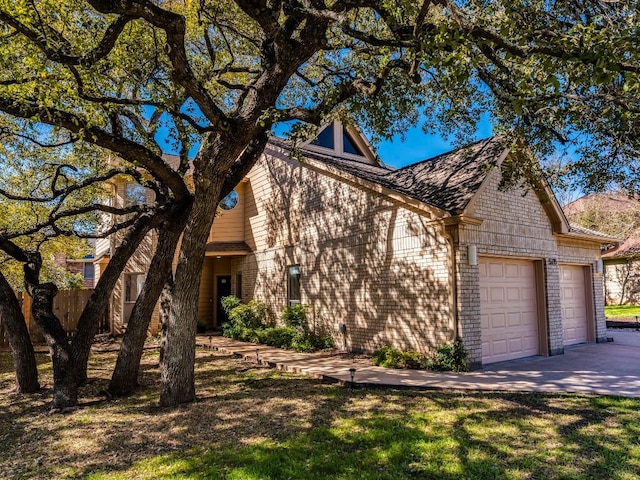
(349, 146)
(230, 201)
(325, 138)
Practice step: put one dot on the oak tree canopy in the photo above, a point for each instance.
(135, 78)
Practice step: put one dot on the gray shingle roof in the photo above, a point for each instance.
(450, 180)
(447, 181)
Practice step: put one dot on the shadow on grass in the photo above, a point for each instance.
(406, 442)
(256, 423)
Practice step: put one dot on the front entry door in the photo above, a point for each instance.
(223, 289)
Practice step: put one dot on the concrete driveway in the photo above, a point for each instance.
(606, 368)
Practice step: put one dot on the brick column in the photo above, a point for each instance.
(598, 300)
(554, 308)
(468, 300)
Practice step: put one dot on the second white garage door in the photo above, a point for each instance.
(573, 300)
(508, 309)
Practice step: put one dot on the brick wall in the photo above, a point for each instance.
(367, 261)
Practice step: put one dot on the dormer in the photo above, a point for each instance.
(344, 141)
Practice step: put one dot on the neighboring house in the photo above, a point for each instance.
(622, 272)
(619, 213)
(82, 266)
(414, 257)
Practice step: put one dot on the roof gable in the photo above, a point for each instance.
(447, 182)
(346, 141)
(450, 182)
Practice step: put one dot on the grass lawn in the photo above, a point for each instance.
(256, 423)
(620, 311)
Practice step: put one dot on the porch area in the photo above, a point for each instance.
(221, 276)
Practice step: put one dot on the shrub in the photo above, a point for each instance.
(229, 303)
(281, 337)
(391, 357)
(244, 319)
(295, 316)
(450, 357)
(250, 315)
(202, 326)
(247, 322)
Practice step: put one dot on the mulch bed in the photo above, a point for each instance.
(624, 322)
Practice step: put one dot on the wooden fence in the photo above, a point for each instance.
(67, 306)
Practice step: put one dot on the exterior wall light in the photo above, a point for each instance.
(599, 266)
(472, 255)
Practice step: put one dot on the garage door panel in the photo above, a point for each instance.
(497, 295)
(495, 270)
(513, 294)
(511, 271)
(498, 320)
(508, 311)
(529, 295)
(573, 300)
(515, 319)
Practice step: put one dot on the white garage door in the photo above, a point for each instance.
(573, 300)
(508, 309)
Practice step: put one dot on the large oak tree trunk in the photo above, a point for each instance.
(24, 358)
(99, 300)
(125, 375)
(221, 164)
(179, 329)
(65, 384)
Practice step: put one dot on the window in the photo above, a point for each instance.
(89, 271)
(336, 136)
(133, 283)
(325, 138)
(349, 146)
(230, 201)
(293, 285)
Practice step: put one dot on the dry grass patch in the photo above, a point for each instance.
(256, 423)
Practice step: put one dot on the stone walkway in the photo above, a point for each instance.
(611, 368)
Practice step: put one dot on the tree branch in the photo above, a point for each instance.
(127, 149)
(57, 55)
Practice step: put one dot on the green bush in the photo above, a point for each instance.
(202, 326)
(244, 319)
(391, 357)
(250, 315)
(281, 337)
(229, 303)
(247, 322)
(295, 316)
(450, 357)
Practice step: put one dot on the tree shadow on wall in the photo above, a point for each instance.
(368, 261)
